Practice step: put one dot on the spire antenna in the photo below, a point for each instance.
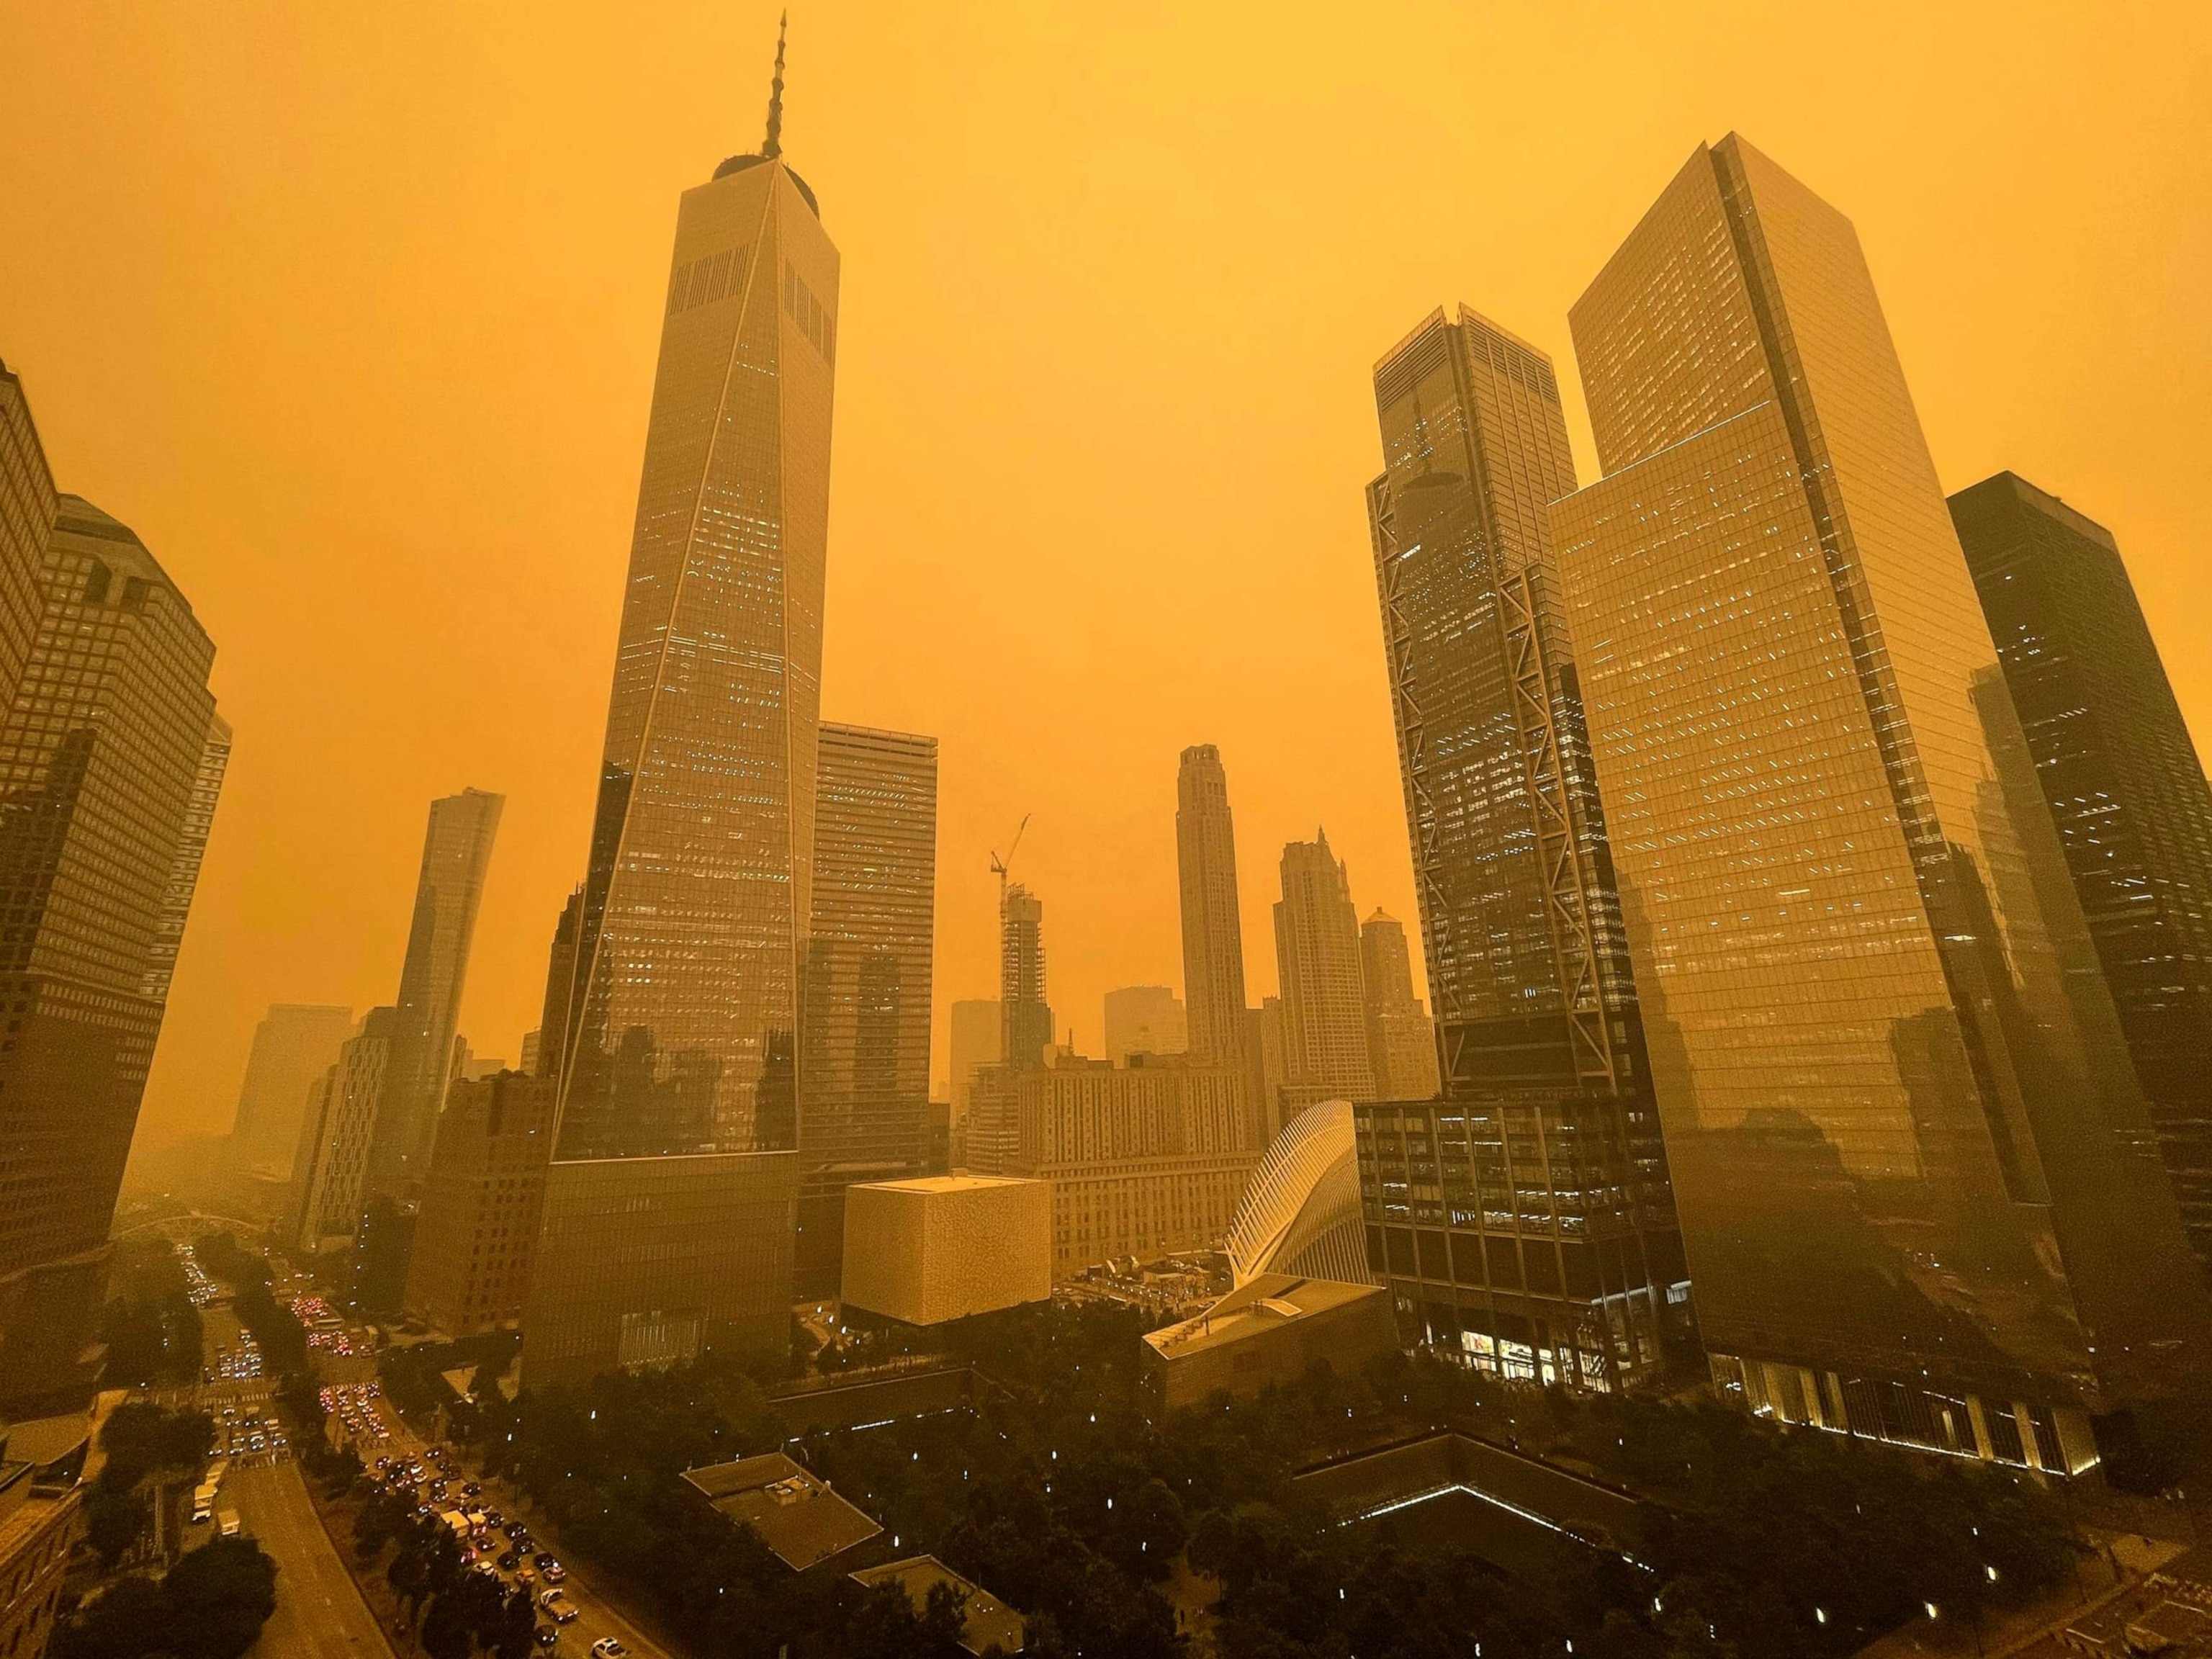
(774, 147)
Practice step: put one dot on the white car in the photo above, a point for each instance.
(607, 1648)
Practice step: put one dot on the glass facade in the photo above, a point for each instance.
(111, 757)
(679, 1047)
(1916, 1180)
(1523, 1223)
(2125, 790)
(864, 1057)
(456, 853)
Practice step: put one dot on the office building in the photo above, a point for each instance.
(29, 504)
(330, 1165)
(1543, 1245)
(448, 887)
(1915, 1177)
(1145, 1019)
(1146, 1160)
(1024, 1015)
(108, 761)
(1401, 1042)
(1317, 965)
(863, 1060)
(1301, 1212)
(2125, 790)
(670, 1204)
(978, 1038)
(1213, 924)
(937, 1248)
(1266, 1333)
(295, 1044)
(1266, 1069)
(475, 1232)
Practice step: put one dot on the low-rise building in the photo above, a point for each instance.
(943, 1247)
(796, 1514)
(1268, 1330)
(985, 1621)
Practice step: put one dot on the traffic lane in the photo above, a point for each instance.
(319, 1611)
(595, 1617)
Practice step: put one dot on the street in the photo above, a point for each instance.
(594, 1619)
(319, 1612)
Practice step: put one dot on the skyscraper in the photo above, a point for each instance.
(107, 758)
(1545, 1248)
(1212, 929)
(863, 1059)
(1401, 1041)
(28, 505)
(295, 1044)
(1024, 1015)
(477, 1230)
(1916, 1178)
(1145, 1019)
(330, 1166)
(1317, 963)
(978, 1038)
(2125, 790)
(456, 853)
(669, 1207)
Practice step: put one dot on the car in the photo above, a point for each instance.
(554, 1571)
(556, 1603)
(472, 1489)
(494, 1519)
(544, 1558)
(607, 1648)
(526, 1574)
(509, 1562)
(547, 1636)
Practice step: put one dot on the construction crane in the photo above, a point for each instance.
(1001, 867)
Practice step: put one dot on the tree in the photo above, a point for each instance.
(218, 1597)
(115, 1519)
(212, 1606)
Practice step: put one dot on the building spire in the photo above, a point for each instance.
(774, 147)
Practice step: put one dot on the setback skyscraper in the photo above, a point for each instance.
(1212, 929)
(1545, 1247)
(1916, 1178)
(1401, 1040)
(2126, 790)
(977, 1037)
(863, 1059)
(111, 754)
(1317, 965)
(669, 1203)
(456, 853)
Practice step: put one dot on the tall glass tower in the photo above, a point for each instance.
(456, 856)
(1916, 1178)
(669, 1205)
(2125, 790)
(1522, 1221)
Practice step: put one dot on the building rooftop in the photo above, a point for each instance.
(1270, 1299)
(797, 1516)
(988, 1621)
(945, 1183)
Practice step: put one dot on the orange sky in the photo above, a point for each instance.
(350, 311)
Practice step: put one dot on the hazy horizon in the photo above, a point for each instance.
(352, 319)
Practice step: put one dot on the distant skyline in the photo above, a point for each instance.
(397, 477)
